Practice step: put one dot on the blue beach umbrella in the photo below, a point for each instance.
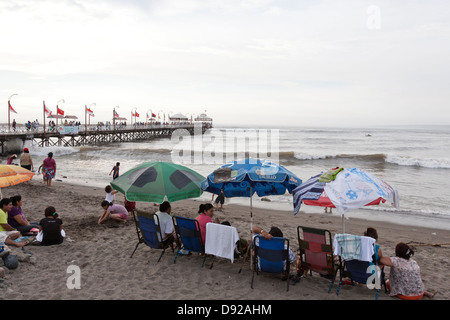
(243, 178)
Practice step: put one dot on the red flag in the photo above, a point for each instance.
(153, 115)
(11, 108)
(59, 111)
(90, 112)
(135, 114)
(47, 111)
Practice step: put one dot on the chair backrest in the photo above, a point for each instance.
(358, 253)
(316, 249)
(188, 230)
(359, 271)
(150, 230)
(221, 240)
(271, 255)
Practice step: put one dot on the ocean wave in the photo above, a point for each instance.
(426, 163)
(57, 151)
(442, 163)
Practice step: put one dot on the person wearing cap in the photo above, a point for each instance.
(25, 160)
(48, 169)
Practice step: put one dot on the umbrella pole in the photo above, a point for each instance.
(251, 227)
(251, 211)
(343, 224)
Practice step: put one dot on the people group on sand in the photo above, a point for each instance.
(404, 281)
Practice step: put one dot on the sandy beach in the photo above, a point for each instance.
(102, 254)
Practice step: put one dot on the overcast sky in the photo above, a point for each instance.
(246, 62)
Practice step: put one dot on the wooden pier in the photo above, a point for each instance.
(93, 136)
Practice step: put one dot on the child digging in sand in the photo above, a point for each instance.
(116, 212)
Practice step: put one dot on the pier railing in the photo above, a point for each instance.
(90, 135)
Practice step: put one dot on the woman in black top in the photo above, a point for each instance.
(51, 227)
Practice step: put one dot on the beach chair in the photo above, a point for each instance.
(271, 256)
(315, 254)
(361, 269)
(189, 236)
(221, 241)
(147, 231)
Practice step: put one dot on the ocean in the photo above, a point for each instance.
(414, 160)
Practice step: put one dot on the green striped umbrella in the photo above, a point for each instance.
(153, 181)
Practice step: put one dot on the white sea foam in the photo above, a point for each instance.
(442, 163)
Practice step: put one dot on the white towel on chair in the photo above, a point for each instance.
(221, 240)
(350, 247)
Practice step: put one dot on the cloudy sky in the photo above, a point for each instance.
(246, 62)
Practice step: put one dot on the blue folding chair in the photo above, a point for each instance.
(363, 272)
(149, 232)
(188, 233)
(271, 256)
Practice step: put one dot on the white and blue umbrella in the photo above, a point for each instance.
(346, 189)
(243, 178)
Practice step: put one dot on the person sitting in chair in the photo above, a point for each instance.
(165, 223)
(273, 232)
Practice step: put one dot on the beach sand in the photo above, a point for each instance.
(102, 254)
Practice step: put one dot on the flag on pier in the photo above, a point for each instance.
(116, 115)
(90, 112)
(59, 111)
(47, 110)
(11, 108)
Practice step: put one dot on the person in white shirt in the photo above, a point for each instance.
(110, 194)
(165, 223)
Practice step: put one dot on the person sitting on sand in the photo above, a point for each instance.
(116, 212)
(7, 233)
(50, 228)
(17, 219)
(206, 211)
(404, 277)
(372, 232)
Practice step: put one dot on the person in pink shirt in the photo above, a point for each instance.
(206, 211)
(48, 169)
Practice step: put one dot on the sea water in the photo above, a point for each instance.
(414, 160)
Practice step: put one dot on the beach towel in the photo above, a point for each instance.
(351, 247)
(330, 175)
(310, 190)
(221, 240)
